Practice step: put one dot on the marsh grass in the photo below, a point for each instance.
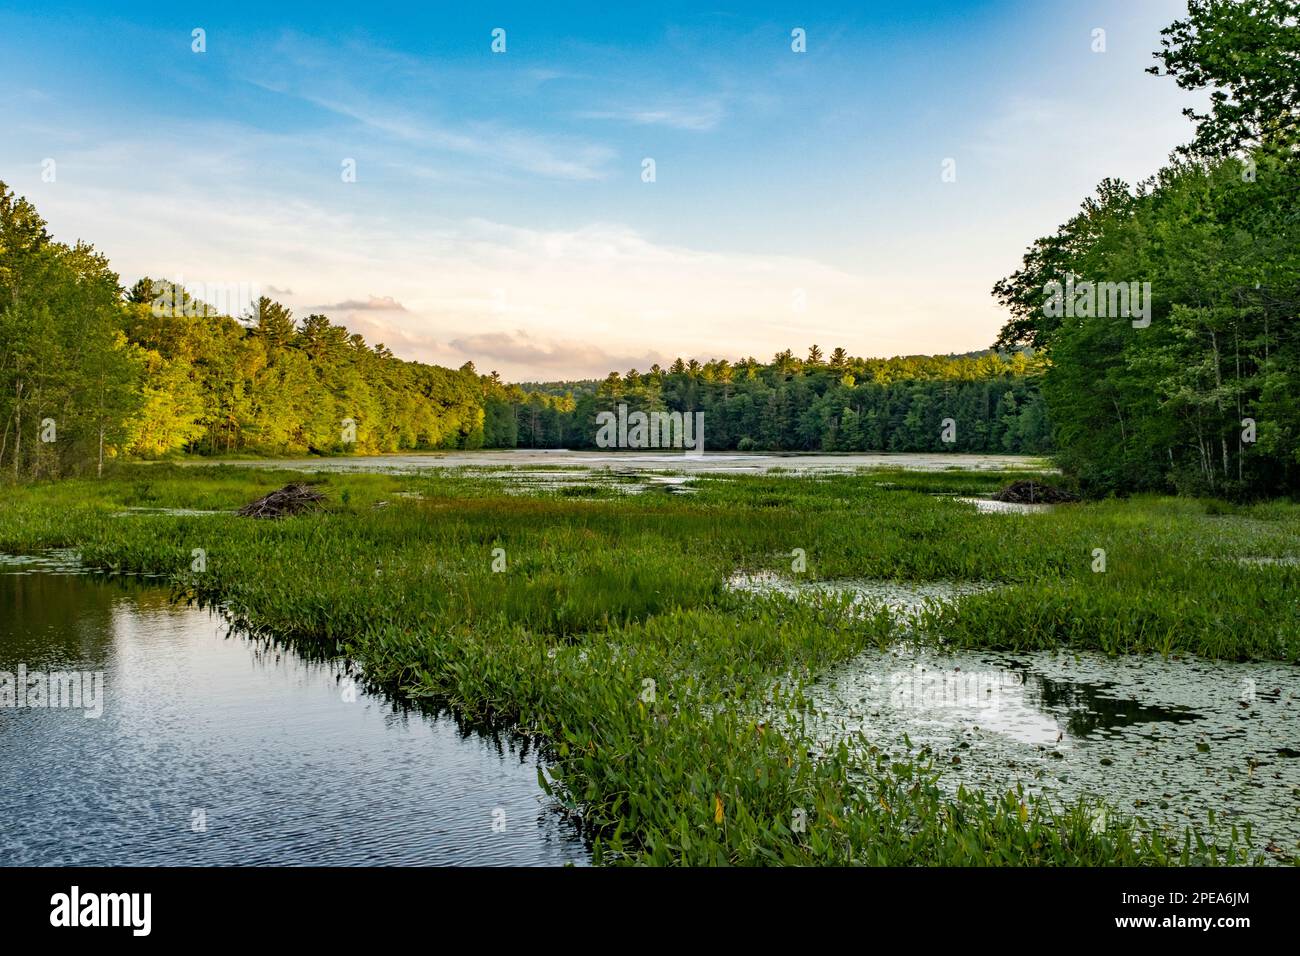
(604, 593)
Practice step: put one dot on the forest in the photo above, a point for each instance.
(1203, 399)
(1197, 397)
(819, 403)
(91, 371)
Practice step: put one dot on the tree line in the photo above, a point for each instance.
(1199, 396)
(834, 403)
(90, 371)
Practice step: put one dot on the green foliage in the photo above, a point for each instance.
(68, 376)
(151, 372)
(1246, 52)
(846, 405)
(217, 386)
(1204, 399)
(599, 594)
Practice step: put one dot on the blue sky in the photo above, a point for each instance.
(499, 211)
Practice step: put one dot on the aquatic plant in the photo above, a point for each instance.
(602, 625)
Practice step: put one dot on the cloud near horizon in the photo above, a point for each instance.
(375, 303)
(499, 203)
(520, 348)
(604, 296)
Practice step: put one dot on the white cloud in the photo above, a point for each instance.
(536, 302)
(374, 303)
(325, 78)
(550, 357)
(685, 114)
(223, 202)
(550, 156)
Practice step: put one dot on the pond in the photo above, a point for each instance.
(214, 748)
(1169, 739)
(708, 463)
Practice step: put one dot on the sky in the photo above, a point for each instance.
(387, 167)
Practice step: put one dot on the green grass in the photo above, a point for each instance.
(603, 592)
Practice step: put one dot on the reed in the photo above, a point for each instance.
(671, 707)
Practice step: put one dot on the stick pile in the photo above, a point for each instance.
(1027, 492)
(289, 500)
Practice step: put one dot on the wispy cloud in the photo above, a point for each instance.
(343, 90)
(533, 302)
(383, 303)
(700, 114)
(551, 156)
(800, 200)
(561, 357)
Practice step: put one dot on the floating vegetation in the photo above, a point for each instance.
(990, 506)
(899, 597)
(62, 560)
(1174, 741)
(612, 631)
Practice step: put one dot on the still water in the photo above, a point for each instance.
(577, 463)
(1172, 740)
(214, 748)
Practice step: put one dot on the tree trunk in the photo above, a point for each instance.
(99, 464)
(18, 429)
(1218, 396)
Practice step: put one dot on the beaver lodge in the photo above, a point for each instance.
(292, 499)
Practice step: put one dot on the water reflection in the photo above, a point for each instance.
(1170, 739)
(1091, 709)
(214, 748)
